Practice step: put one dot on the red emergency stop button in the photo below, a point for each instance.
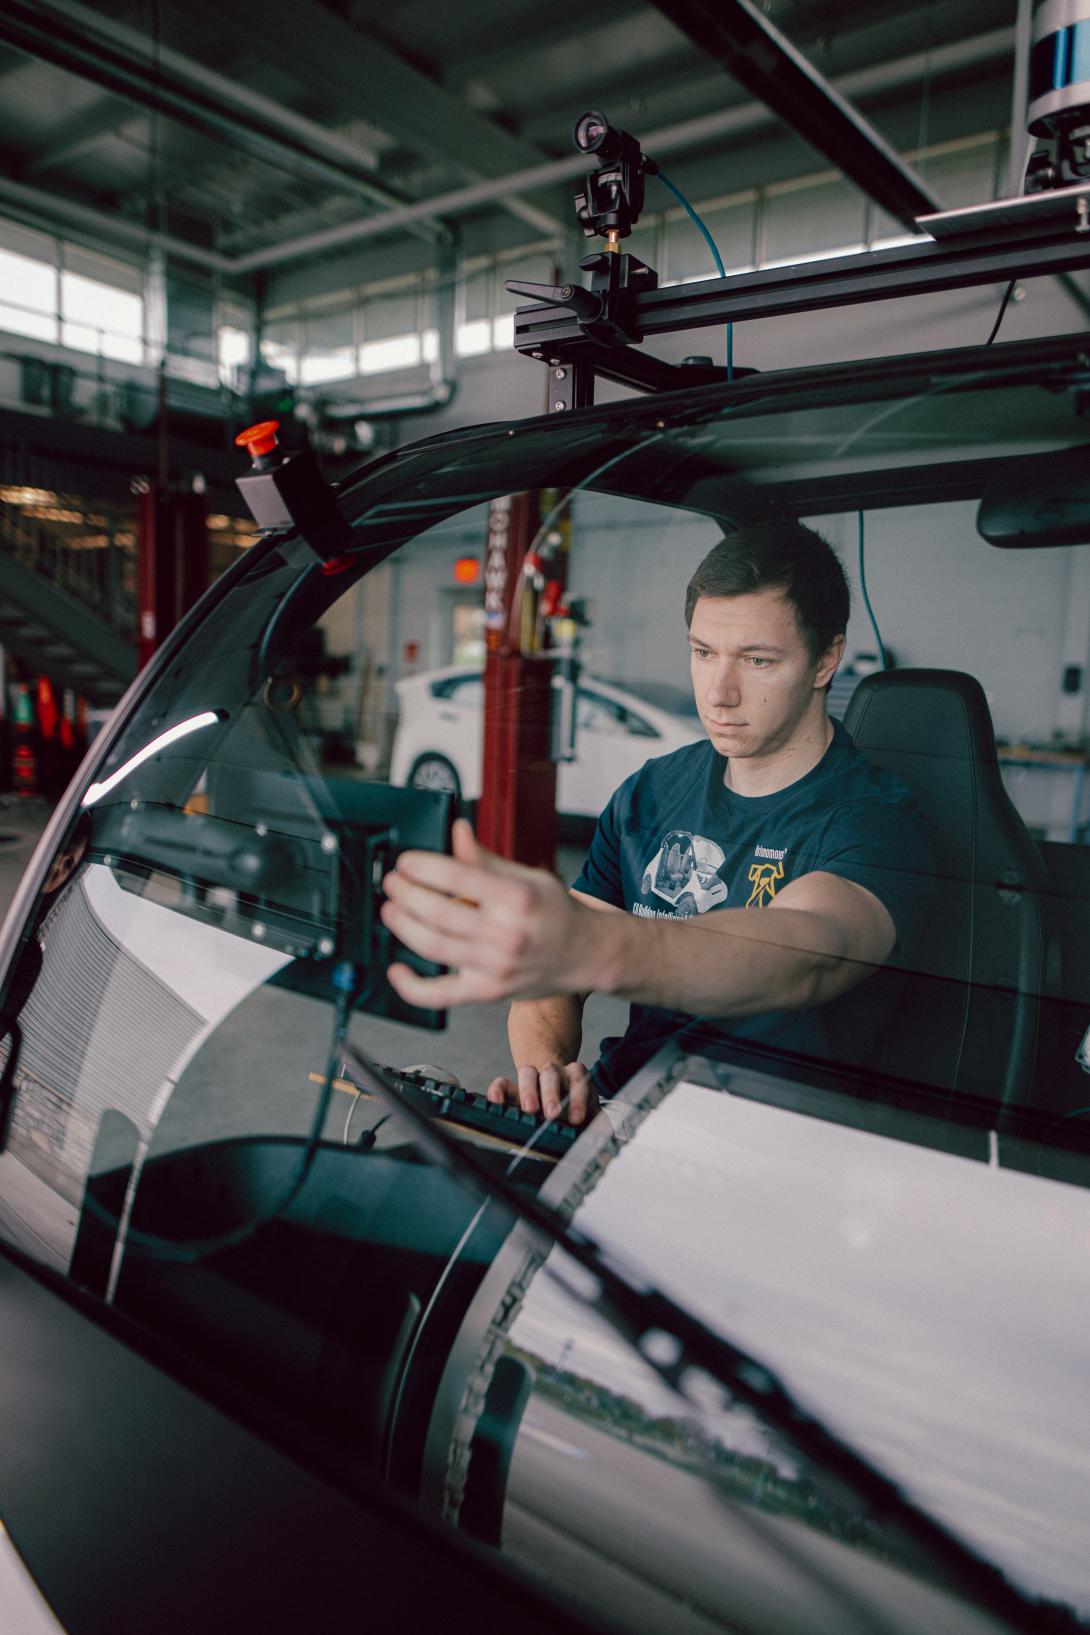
(260, 439)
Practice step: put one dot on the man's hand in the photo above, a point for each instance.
(507, 931)
(552, 1090)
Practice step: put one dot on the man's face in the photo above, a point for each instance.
(755, 683)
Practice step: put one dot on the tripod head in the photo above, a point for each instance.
(610, 198)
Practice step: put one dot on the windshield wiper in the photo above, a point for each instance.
(640, 1312)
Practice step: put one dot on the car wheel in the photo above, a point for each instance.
(686, 905)
(435, 772)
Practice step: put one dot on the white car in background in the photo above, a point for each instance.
(437, 744)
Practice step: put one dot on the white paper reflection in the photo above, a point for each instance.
(928, 1307)
(127, 994)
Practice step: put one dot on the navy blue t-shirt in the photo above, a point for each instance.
(675, 843)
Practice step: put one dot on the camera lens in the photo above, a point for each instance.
(591, 131)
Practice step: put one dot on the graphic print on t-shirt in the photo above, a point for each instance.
(764, 878)
(684, 873)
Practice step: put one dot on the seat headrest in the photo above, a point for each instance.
(940, 713)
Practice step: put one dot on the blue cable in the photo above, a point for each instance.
(683, 201)
(712, 246)
(882, 654)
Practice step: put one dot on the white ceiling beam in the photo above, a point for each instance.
(50, 210)
(735, 122)
(106, 116)
(361, 77)
(692, 133)
(82, 41)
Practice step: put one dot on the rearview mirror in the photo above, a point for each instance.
(1041, 499)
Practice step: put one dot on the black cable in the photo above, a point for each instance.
(882, 654)
(366, 1138)
(1007, 293)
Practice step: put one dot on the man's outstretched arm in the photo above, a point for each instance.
(508, 931)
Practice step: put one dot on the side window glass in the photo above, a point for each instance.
(465, 691)
(638, 726)
(598, 714)
(468, 694)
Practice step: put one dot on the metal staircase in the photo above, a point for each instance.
(67, 581)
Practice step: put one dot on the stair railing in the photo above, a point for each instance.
(96, 564)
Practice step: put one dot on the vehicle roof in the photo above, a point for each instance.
(804, 442)
(1002, 382)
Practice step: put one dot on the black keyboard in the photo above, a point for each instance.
(487, 1121)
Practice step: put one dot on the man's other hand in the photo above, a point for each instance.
(553, 1090)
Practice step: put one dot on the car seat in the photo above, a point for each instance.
(968, 1012)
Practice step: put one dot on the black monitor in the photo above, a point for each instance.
(305, 859)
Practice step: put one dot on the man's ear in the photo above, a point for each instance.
(829, 661)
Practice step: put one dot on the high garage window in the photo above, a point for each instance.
(28, 278)
(101, 306)
(31, 286)
(329, 349)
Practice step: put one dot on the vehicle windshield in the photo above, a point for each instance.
(838, 1189)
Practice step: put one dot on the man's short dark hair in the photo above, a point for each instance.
(785, 556)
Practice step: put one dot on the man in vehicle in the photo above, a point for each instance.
(750, 880)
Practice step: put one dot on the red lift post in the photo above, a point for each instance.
(516, 814)
(173, 560)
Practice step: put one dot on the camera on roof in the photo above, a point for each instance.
(610, 198)
(594, 134)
